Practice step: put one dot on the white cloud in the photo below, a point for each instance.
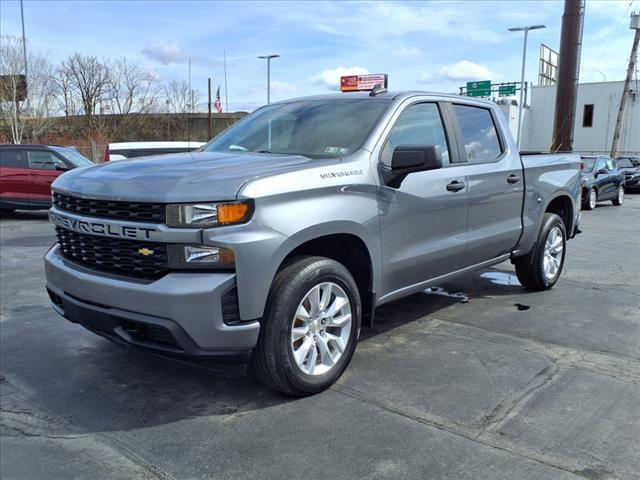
(428, 77)
(465, 70)
(169, 53)
(166, 53)
(331, 78)
(408, 52)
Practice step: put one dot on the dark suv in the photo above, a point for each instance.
(630, 167)
(27, 171)
(601, 180)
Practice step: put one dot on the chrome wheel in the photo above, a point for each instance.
(321, 328)
(553, 253)
(593, 198)
(620, 195)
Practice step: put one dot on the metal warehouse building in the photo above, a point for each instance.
(595, 119)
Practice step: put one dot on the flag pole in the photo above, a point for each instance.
(226, 96)
(210, 134)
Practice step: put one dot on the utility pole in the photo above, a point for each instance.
(524, 61)
(268, 59)
(209, 103)
(24, 53)
(635, 25)
(226, 94)
(568, 73)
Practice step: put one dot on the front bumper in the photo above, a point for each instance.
(179, 314)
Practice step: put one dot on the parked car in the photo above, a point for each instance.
(122, 151)
(630, 167)
(27, 172)
(277, 241)
(601, 181)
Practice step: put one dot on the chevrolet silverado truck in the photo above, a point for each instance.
(273, 245)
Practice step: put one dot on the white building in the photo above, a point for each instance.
(596, 112)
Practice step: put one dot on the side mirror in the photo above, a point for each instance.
(602, 171)
(408, 159)
(62, 168)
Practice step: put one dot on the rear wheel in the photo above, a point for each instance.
(310, 329)
(619, 200)
(541, 267)
(591, 200)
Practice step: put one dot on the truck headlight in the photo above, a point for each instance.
(203, 215)
(200, 256)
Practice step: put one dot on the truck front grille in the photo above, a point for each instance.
(122, 257)
(134, 211)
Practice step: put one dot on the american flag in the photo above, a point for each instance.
(217, 104)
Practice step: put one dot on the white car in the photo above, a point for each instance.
(124, 150)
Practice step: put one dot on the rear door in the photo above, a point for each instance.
(422, 222)
(15, 183)
(44, 167)
(495, 182)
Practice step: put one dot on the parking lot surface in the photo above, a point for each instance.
(477, 380)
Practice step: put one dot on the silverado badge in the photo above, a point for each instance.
(145, 251)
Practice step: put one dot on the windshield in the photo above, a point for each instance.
(628, 163)
(589, 163)
(315, 129)
(74, 157)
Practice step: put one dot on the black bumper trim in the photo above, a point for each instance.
(158, 335)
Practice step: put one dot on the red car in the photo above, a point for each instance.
(27, 171)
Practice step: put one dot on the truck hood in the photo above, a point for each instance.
(187, 177)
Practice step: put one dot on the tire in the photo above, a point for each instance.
(278, 360)
(533, 271)
(592, 198)
(619, 200)
(6, 211)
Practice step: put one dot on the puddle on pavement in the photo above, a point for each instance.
(463, 297)
(501, 278)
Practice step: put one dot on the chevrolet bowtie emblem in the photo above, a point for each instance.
(145, 251)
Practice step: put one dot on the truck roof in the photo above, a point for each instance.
(400, 95)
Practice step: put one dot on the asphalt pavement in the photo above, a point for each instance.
(478, 379)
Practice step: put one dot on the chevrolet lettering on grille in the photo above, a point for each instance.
(100, 228)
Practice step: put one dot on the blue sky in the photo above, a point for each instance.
(435, 46)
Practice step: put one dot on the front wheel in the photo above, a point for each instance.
(311, 327)
(591, 200)
(541, 267)
(619, 200)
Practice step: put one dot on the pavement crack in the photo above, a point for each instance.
(513, 404)
(458, 430)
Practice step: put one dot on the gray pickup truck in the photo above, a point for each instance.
(276, 242)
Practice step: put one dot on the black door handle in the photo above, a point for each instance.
(513, 178)
(455, 186)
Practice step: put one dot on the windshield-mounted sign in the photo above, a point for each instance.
(362, 83)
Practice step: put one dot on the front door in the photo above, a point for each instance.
(43, 169)
(496, 186)
(423, 222)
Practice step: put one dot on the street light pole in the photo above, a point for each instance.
(268, 59)
(524, 61)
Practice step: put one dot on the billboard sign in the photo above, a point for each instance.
(479, 89)
(362, 83)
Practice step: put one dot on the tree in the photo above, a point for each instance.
(25, 119)
(131, 89)
(178, 97)
(88, 78)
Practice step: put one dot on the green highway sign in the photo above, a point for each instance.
(506, 90)
(479, 89)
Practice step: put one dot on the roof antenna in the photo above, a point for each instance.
(377, 90)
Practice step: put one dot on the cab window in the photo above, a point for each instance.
(601, 165)
(420, 124)
(44, 160)
(12, 159)
(479, 133)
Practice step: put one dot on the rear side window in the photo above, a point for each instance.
(420, 124)
(12, 159)
(44, 160)
(479, 133)
(610, 164)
